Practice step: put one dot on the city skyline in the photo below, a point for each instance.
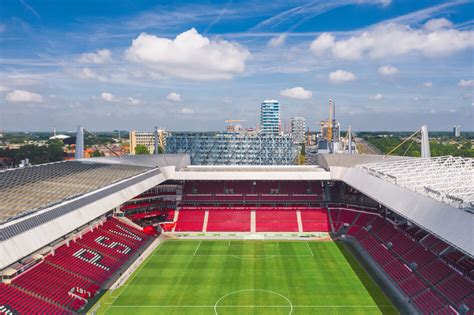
(389, 65)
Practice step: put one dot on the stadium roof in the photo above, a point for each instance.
(253, 168)
(28, 189)
(447, 179)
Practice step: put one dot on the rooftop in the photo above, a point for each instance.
(447, 179)
(29, 189)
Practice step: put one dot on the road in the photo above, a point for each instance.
(363, 147)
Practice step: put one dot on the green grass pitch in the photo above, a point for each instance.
(248, 277)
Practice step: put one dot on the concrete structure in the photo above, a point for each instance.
(425, 142)
(270, 117)
(298, 129)
(79, 143)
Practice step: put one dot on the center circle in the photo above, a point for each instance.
(258, 291)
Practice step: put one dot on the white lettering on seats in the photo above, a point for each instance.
(127, 233)
(7, 310)
(124, 250)
(94, 260)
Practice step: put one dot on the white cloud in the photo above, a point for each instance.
(437, 24)
(376, 97)
(340, 76)
(22, 96)
(390, 40)
(388, 70)
(420, 98)
(88, 73)
(26, 79)
(3, 88)
(277, 41)
(134, 101)
(100, 57)
(2, 28)
(297, 92)
(175, 97)
(108, 97)
(322, 43)
(385, 2)
(466, 83)
(186, 111)
(190, 56)
(428, 85)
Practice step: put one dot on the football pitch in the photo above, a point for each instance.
(248, 277)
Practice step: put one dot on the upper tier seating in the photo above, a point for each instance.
(245, 191)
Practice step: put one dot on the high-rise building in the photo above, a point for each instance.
(457, 131)
(298, 129)
(270, 117)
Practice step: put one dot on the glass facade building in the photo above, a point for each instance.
(270, 117)
(227, 148)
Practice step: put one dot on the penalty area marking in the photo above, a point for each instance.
(254, 290)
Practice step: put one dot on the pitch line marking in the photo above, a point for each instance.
(135, 273)
(260, 306)
(231, 255)
(199, 245)
(255, 290)
(309, 247)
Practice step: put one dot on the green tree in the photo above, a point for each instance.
(141, 149)
(97, 153)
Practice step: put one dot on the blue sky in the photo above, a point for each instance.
(181, 65)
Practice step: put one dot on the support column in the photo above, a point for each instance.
(175, 219)
(204, 224)
(253, 221)
(300, 222)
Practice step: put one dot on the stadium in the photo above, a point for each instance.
(153, 234)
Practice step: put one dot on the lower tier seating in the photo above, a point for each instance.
(15, 301)
(276, 221)
(315, 220)
(427, 280)
(190, 220)
(64, 281)
(228, 221)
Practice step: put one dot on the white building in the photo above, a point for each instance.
(145, 138)
(457, 131)
(298, 129)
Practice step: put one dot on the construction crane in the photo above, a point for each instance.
(330, 122)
